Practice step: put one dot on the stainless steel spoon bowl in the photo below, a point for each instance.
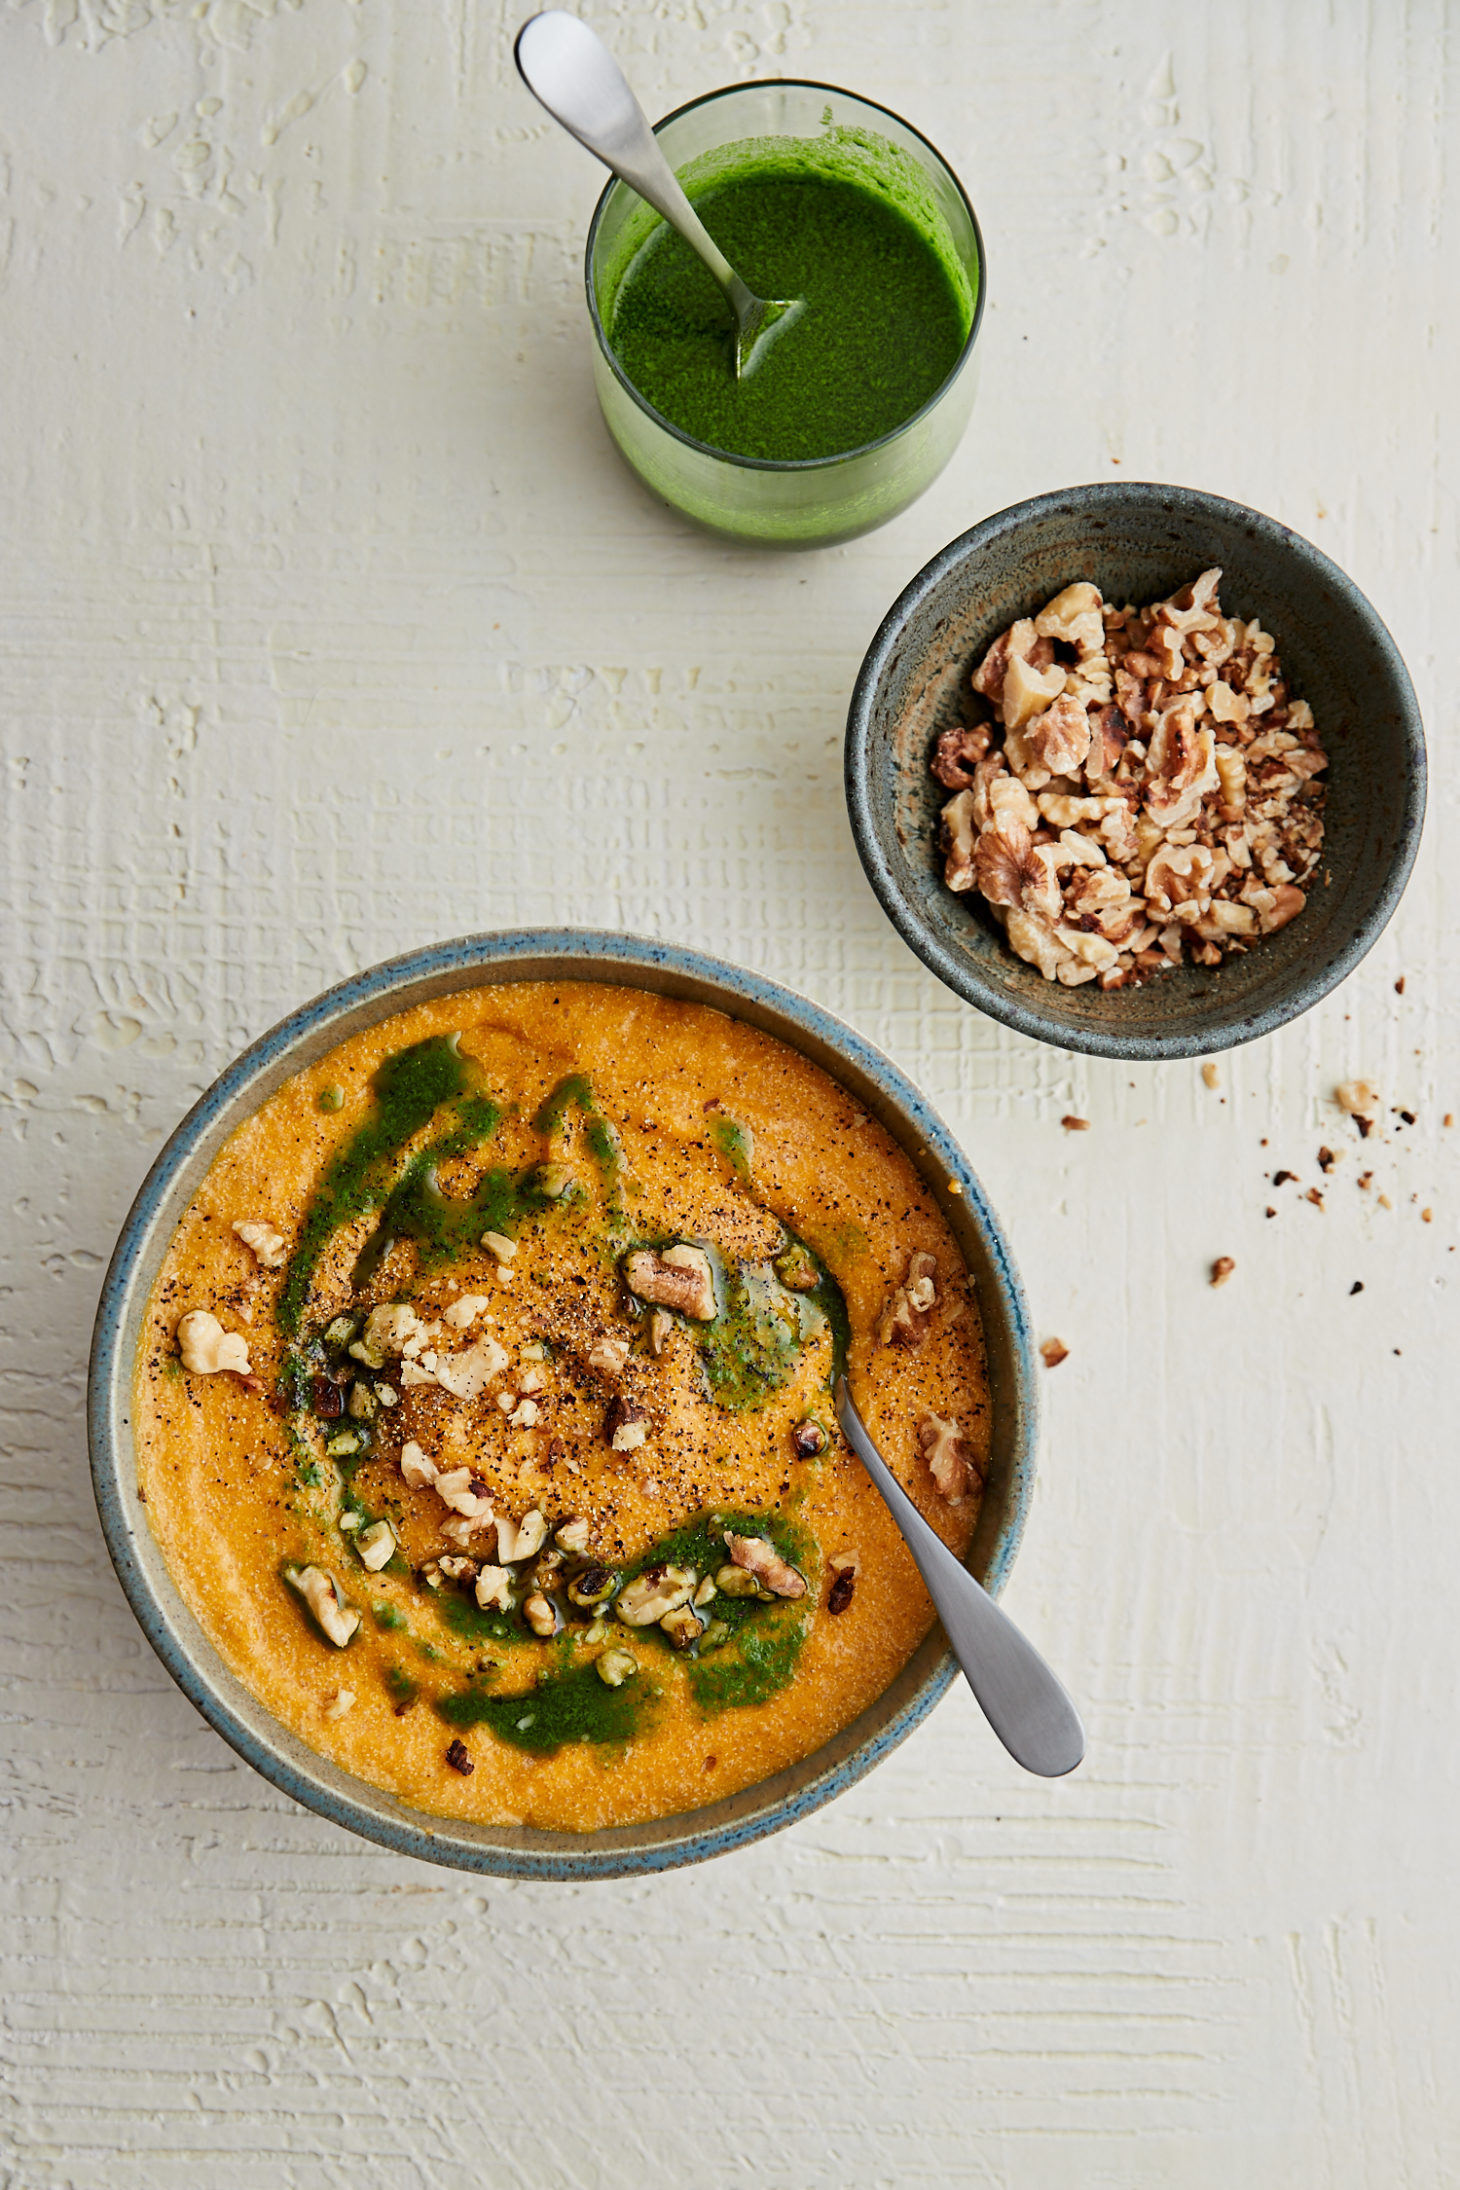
(1021, 1698)
(569, 69)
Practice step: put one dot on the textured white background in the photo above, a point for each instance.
(330, 624)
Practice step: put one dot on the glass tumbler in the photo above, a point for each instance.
(796, 503)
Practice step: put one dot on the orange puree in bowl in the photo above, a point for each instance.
(518, 1376)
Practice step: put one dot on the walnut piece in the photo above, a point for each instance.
(1357, 1098)
(335, 1620)
(757, 1555)
(376, 1546)
(463, 1492)
(608, 1355)
(1222, 1269)
(942, 1446)
(645, 1600)
(265, 1244)
(467, 1374)
(625, 1425)
(845, 1567)
(207, 1349)
(908, 1312)
(681, 1278)
(521, 1539)
(465, 1310)
(493, 1584)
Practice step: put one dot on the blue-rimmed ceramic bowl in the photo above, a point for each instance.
(1138, 542)
(474, 961)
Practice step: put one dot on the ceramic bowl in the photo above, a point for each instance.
(1138, 543)
(308, 1034)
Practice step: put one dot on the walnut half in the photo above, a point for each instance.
(947, 1457)
(908, 1312)
(681, 1278)
(207, 1349)
(757, 1555)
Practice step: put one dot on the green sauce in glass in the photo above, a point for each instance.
(885, 320)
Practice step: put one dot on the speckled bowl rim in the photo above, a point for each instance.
(959, 972)
(303, 1037)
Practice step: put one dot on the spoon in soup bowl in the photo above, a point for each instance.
(1022, 1700)
(571, 72)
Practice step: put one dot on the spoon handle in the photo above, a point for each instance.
(571, 72)
(1022, 1700)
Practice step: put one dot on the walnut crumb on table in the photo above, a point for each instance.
(1222, 1269)
(1053, 1352)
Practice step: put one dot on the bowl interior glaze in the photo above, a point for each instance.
(474, 961)
(1137, 543)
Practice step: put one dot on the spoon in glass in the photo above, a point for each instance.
(1021, 1698)
(570, 70)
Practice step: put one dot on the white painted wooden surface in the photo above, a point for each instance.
(330, 624)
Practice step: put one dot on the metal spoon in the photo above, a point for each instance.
(1021, 1698)
(567, 66)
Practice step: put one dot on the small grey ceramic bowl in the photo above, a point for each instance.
(1138, 543)
(546, 954)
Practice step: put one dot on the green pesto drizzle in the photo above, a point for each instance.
(600, 1135)
(765, 1639)
(753, 1346)
(406, 1092)
(762, 1661)
(570, 1706)
(735, 1142)
(571, 1702)
(574, 1091)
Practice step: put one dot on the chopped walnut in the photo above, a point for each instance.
(1357, 1098)
(625, 1424)
(906, 1317)
(376, 1546)
(609, 1356)
(958, 752)
(573, 1535)
(1153, 805)
(661, 1323)
(467, 1374)
(389, 1330)
(1222, 1269)
(645, 1600)
(947, 1456)
(267, 1246)
(335, 1620)
(463, 1492)
(416, 1466)
(521, 1539)
(466, 1310)
(207, 1349)
(538, 1612)
(681, 1278)
(845, 1567)
(1053, 1352)
(493, 1586)
(757, 1555)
